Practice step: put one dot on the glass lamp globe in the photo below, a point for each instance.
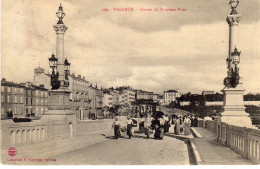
(233, 3)
(235, 56)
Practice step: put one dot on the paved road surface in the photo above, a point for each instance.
(124, 151)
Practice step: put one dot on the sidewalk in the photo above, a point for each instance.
(53, 148)
(210, 152)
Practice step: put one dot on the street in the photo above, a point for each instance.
(124, 151)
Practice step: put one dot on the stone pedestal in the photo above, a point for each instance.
(61, 119)
(234, 109)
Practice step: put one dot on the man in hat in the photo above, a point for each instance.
(129, 126)
(116, 126)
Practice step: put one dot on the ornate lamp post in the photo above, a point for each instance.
(55, 83)
(235, 57)
(59, 94)
(67, 69)
(59, 109)
(234, 109)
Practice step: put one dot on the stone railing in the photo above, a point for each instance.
(20, 134)
(26, 133)
(245, 141)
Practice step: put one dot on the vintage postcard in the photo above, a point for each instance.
(130, 82)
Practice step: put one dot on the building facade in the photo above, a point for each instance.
(80, 96)
(108, 99)
(41, 78)
(99, 97)
(207, 92)
(170, 96)
(22, 100)
(12, 100)
(143, 95)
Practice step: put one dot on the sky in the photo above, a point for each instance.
(148, 50)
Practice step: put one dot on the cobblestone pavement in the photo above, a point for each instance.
(124, 151)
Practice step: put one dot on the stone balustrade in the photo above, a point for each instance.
(20, 134)
(245, 141)
(26, 133)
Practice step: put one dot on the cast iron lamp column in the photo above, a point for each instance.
(233, 103)
(60, 29)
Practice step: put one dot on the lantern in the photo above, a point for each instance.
(53, 61)
(60, 14)
(235, 57)
(67, 65)
(233, 5)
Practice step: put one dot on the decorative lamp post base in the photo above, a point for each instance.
(59, 115)
(234, 109)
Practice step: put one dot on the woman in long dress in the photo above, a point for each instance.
(147, 124)
(129, 127)
(166, 124)
(187, 123)
(156, 128)
(141, 124)
(116, 126)
(177, 126)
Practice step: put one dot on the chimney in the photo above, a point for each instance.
(4, 79)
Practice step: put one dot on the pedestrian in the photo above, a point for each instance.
(156, 127)
(147, 124)
(162, 121)
(166, 124)
(116, 126)
(181, 124)
(187, 123)
(196, 122)
(129, 123)
(141, 124)
(177, 126)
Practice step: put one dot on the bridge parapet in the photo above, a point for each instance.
(245, 141)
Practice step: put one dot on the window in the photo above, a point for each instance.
(26, 101)
(15, 99)
(21, 99)
(3, 111)
(36, 101)
(15, 89)
(8, 99)
(2, 88)
(15, 110)
(9, 89)
(21, 90)
(2, 98)
(31, 101)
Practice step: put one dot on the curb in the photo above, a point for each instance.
(195, 132)
(194, 150)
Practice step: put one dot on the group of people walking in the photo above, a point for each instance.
(184, 124)
(157, 125)
(148, 125)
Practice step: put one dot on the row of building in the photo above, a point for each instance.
(31, 99)
(22, 100)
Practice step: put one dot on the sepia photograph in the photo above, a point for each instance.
(130, 82)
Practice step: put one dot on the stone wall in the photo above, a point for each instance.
(245, 141)
(25, 133)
